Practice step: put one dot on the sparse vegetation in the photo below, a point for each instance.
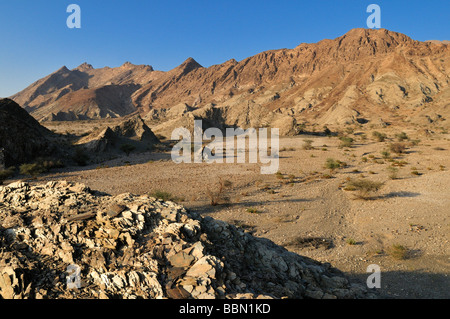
(351, 241)
(346, 141)
(252, 210)
(364, 188)
(6, 173)
(398, 148)
(380, 137)
(392, 172)
(332, 164)
(33, 170)
(163, 195)
(386, 154)
(218, 196)
(402, 137)
(398, 252)
(307, 145)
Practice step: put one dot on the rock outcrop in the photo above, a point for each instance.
(22, 138)
(132, 131)
(63, 240)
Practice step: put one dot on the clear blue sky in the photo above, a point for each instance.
(35, 40)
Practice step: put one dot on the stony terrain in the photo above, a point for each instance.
(307, 209)
(130, 247)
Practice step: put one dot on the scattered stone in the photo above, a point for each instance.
(131, 247)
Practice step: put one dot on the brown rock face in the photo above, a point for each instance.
(358, 77)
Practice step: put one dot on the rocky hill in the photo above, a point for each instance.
(365, 76)
(22, 138)
(62, 240)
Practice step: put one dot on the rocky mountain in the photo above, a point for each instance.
(22, 138)
(365, 76)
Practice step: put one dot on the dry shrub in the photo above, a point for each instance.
(364, 188)
(219, 196)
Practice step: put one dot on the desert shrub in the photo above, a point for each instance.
(33, 169)
(392, 172)
(380, 137)
(307, 145)
(346, 141)
(402, 136)
(351, 242)
(279, 175)
(6, 173)
(385, 154)
(364, 188)
(127, 148)
(398, 252)
(398, 148)
(252, 210)
(333, 164)
(48, 164)
(165, 196)
(80, 157)
(218, 196)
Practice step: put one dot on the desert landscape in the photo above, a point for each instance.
(363, 179)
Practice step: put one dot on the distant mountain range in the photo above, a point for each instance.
(365, 76)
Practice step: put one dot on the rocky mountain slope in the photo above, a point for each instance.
(376, 76)
(22, 138)
(71, 242)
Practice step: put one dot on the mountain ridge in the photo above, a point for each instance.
(308, 83)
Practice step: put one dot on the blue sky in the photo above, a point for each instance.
(35, 40)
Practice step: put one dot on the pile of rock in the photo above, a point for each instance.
(62, 240)
(132, 131)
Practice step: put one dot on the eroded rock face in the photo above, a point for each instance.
(62, 240)
(22, 138)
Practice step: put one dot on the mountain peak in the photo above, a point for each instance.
(84, 67)
(190, 62)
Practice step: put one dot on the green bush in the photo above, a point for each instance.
(6, 173)
(332, 164)
(346, 141)
(380, 137)
(364, 188)
(33, 170)
(402, 137)
(165, 196)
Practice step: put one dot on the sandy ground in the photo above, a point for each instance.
(311, 214)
